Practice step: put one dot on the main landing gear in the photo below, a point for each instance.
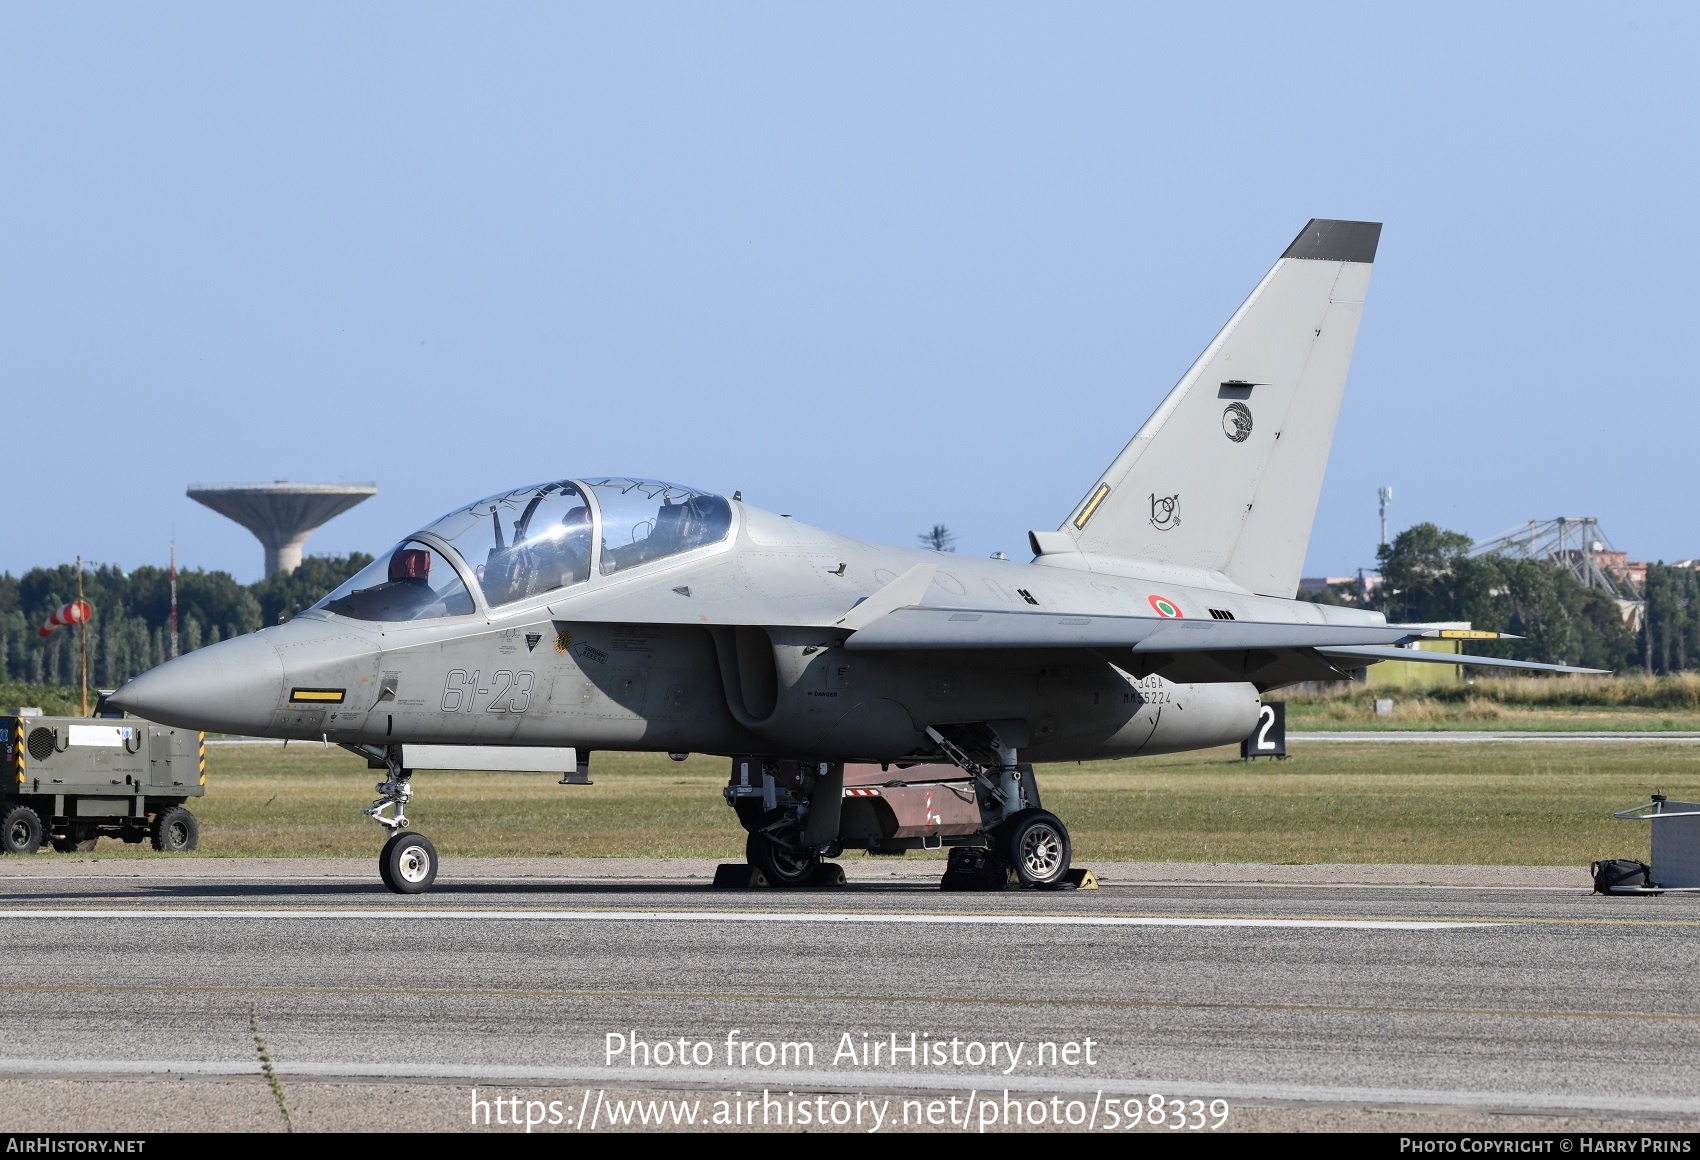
(1022, 839)
(980, 801)
(408, 863)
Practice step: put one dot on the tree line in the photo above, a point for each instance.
(131, 626)
(1428, 575)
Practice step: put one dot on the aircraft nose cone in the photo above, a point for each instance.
(233, 686)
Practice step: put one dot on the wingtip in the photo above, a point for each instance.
(1327, 240)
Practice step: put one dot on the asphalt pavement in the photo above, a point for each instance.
(1550, 736)
(1399, 998)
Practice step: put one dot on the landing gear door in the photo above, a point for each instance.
(826, 807)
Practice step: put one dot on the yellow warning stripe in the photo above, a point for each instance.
(201, 738)
(18, 748)
(333, 696)
(1098, 497)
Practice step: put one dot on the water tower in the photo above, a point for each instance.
(282, 514)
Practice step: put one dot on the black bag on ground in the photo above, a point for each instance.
(1619, 875)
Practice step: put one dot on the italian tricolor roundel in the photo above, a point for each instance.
(1163, 606)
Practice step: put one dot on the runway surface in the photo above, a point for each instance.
(1572, 737)
(1510, 998)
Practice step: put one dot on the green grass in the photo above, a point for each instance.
(1413, 711)
(1630, 703)
(1504, 803)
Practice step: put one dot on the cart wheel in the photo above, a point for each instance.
(782, 865)
(20, 831)
(408, 864)
(74, 845)
(175, 831)
(1036, 846)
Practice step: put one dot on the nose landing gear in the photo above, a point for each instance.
(408, 863)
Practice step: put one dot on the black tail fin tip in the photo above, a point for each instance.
(1323, 240)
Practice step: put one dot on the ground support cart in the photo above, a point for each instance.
(69, 781)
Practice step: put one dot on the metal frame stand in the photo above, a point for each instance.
(1675, 842)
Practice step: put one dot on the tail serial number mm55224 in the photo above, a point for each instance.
(509, 692)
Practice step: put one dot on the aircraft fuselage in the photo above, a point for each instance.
(731, 649)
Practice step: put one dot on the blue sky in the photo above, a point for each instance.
(877, 265)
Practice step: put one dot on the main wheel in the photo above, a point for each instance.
(408, 864)
(1036, 846)
(20, 831)
(175, 831)
(783, 865)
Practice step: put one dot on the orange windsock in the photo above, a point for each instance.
(76, 612)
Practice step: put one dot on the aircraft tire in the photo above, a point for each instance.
(780, 865)
(408, 864)
(175, 831)
(384, 863)
(1036, 846)
(20, 831)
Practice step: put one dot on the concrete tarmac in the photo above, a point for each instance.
(1380, 998)
(1567, 737)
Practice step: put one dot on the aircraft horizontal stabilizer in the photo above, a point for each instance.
(1372, 653)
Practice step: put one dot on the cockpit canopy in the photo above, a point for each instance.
(533, 540)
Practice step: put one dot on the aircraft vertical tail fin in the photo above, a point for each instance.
(1226, 474)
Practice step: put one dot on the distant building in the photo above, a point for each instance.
(1352, 586)
(1615, 564)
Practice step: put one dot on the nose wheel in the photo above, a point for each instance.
(408, 863)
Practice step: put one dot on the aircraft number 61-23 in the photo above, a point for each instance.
(511, 692)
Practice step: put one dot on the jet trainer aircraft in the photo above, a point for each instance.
(612, 613)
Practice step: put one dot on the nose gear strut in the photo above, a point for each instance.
(408, 863)
(396, 791)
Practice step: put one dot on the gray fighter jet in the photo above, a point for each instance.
(530, 628)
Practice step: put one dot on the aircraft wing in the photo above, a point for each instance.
(948, 628)
(893, 618)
